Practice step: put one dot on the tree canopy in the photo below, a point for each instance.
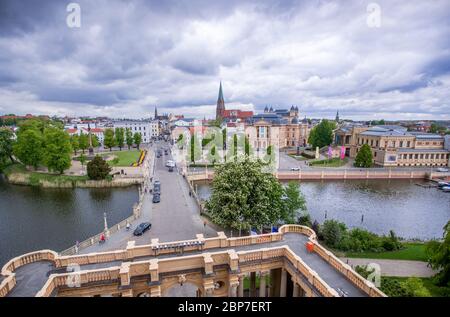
(109, 140)
(364, 157)
(98, 168)
(57, 150)
(439, 257)
(322, 134)
(6, 145)
(243, 196)
(137, 139)
(29, 147)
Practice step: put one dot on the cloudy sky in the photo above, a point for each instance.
(323, 56)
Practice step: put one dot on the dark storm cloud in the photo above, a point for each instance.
(131, 55)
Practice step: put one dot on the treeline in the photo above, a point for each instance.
(121, 136)
(38, 143)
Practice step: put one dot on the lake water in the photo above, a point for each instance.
(34, 218)
(410, 210)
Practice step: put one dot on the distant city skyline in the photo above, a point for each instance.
(128, 57)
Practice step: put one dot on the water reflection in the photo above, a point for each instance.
(33, 218)
(410, 210)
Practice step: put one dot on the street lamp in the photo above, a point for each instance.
(105, 222)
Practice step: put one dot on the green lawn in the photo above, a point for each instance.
(412, 251)
(334, 162)
(125, 158)
(434, 290)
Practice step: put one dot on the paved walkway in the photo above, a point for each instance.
(175, 218)
(400, 268)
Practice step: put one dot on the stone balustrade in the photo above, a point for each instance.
(188, 262)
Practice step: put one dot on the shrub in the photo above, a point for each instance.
(98, 169)
(414, 286)
(333, 232)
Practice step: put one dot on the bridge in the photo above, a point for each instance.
(337, 173)
(211, 266)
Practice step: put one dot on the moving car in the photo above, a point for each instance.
(295, 168)
(156, 198)
(170, 168)
(157, 187)
(142, 228)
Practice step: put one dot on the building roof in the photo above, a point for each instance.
(71, 131)
(407, 150)
(386, 130)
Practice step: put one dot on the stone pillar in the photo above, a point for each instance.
(262, 283)
(241, 286)
(295, 290)
(275, 278)
(233, 290)
(283, 283)
(252, 284)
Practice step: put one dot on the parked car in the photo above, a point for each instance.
(295, 168)
(442, 169)
(156, 198)
(170, 168)
(157, 187)
(142, 228)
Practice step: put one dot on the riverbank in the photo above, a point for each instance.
(17, 174)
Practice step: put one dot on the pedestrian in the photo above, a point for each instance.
(190, 193)
(204, 224)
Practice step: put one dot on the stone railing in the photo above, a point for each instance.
(111, 230)
(8, 269)
(133, 253)
(363, 284)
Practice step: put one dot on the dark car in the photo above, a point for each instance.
(156, 198)
(170, 168)
(142, 228)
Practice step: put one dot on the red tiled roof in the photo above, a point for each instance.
(70, 131)
(235, 113)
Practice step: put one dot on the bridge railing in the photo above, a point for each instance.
(8, 269)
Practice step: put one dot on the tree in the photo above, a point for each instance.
(414, 286)
(293, 202)
(364, 157)
(129, 138)
(82, 159)
(75, 142)
(213, 156)
(98, 168)
(95, 141)
(29, 147)
(83, 142)
(137, 139)
(194, 149)
(434, 128)
(245, 197)
(322, 134)
(109, 140)
(439, 257)
(6, 145)
(333, 232)
(120, 137)
(57, 150)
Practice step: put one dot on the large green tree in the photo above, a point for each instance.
(364, 157)
(439, 257)
(83, 142)
(322, 134)
(295, 204)
(129, 138)
(29, 147)
(75, 142)
(6, 145)
(98, 168)
(109, 140)
(243, 196)
(119, 135)
(57, 150)
(194, 149)
(137, 139)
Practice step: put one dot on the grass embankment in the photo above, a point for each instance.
(435, 291)
(334, 162)
(17, 173)
(123, 158)
(411, 251)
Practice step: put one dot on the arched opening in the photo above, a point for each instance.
(144, 294)
(185, 290)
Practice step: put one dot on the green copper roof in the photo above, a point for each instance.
(220, 93)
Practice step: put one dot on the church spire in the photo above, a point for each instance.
(220, 109)
(337, 116)
(156, 112)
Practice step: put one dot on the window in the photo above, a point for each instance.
(410, 156)
(408, 143)
(426, 156)
(432, 156)
(401, 143)
(376, 144)
(421, 156)
(416, 156)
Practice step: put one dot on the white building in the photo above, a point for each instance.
(94, 131)
(147, 129)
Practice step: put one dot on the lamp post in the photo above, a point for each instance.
(105, 222)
